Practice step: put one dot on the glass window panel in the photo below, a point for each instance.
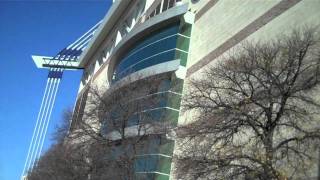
(160, 58)
(166, 146)
(150, 163)
(164, 85)
(146, 176)
(146, 163)
(183, 43)
(154, 37)
(173, 100)
(152, 108)
(141, 51)
(154, 115)
(183, 56)
(133, 120)
(186, 30)
(153, 145)
(161, 177)
(153, 49)
(164, 164)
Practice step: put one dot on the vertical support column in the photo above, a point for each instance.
(182, 53)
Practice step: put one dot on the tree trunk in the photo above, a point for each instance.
(268, 145)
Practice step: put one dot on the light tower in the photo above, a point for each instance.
(66, 59)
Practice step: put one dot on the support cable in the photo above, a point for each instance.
(43, 124)
(34, 130)
(48, 118)
(56, 75)
(40, 124)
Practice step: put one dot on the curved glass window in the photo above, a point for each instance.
(157, 48)
(155, 156)
(154, 101)
(159, 107)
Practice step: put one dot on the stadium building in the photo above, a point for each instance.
(164, 43)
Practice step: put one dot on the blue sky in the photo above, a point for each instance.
(35, 28)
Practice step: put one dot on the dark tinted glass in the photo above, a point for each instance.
(146, 163)
(154, 49)
(157, 59)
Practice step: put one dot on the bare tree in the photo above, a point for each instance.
(61, 161)
(62, 129)
(256, 113)
(117, 127)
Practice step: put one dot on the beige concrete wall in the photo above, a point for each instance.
(206, 39)
(101, 79)
(221, 22)
(305, 13)
(226, 18)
